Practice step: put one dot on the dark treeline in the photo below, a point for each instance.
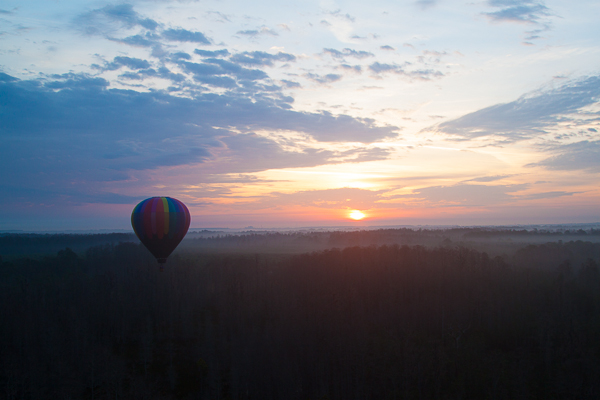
(19, 244)
(387, 322)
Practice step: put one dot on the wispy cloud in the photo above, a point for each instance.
(353, 68)
(123, 61)
(469, 194)
(531, 12)
(328, 198)
(253, 33)
(214, 53)
(421, 74)
(340, 55)
(425, 4)
(340, 15)
(218, 16)
(529, 115)
(290, 84)
(261, 58)
(584, 155)
(145, 40)
(488, 178)
(547, 195)
(523, 11)
(183, 35)
(323, 79)
(110, 18)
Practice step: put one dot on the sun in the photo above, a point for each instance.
(356, 215)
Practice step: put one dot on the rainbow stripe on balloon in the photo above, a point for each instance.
(160, 223)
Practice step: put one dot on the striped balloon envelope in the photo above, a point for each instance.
(160, 223)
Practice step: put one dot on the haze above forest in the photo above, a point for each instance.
(497, 241)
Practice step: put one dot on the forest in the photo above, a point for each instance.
(465, 313)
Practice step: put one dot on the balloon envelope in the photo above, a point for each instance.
(160, 223)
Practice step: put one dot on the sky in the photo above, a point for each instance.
(296, 114)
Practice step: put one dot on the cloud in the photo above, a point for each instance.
(547, 195)
(87, 135)
(522, 11)
(7, 78)
(584, 155)
(339, 55)
(253, 33)
(425, 4)
(107, 19)
(473, 195)
(76, 81)
(432, 56)
(162, 72)
(218, 16)
(214, 53)
(290, 84)
(261, 58)
(328, 198)
(49, 198)
(338, 14)
(238, 71)
(130, 62)
(388, 48)
(488, 178)
(353, 68)
(180, 56)
(529, 115)
(469, 194)
(183, 35)
(252, 153)
(421, 74)
(221, 73)
(146, 40)
(323, 79)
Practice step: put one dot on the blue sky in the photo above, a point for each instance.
(425, 112)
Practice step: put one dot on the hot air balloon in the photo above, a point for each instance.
(160, 223)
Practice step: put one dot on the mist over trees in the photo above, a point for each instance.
(385, 321)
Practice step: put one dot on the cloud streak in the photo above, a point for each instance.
(341, 55)
(261, 58)
(183, 35)
(521, 11)
(528, 116)
(421, 74)
(471, 195)
(254, 33)
(584, 155)
(111, 18)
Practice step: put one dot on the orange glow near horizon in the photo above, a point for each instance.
(356, 215)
